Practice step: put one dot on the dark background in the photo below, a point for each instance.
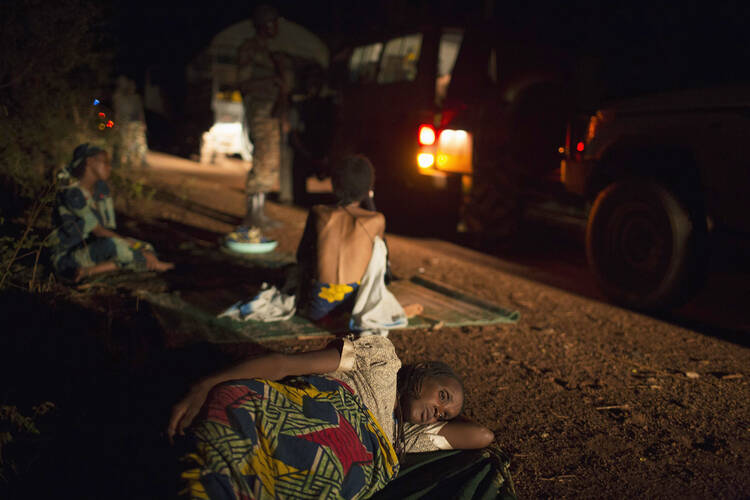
(687, 43)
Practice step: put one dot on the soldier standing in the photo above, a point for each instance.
(264, 81)
(130, 119)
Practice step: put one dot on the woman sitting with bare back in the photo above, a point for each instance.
(338, 242)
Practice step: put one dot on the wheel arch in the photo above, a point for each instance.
(673, 166)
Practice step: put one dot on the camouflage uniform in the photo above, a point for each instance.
(133, 148)
(257, 74)
(76, 214)
(264, 131)
(131, 122)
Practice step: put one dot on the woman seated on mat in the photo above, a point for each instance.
(309, 436)
(84, 241)
(337, 243)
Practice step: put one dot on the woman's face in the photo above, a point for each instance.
(100, 166)
(441, 399)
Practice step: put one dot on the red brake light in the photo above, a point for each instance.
(426, 135)
(580, 146)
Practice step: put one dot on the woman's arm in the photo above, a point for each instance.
(466, 435)
(272, 367)
(102, 232)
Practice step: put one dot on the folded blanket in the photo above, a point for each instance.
(269, 305)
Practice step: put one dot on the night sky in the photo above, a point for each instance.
(657, 43)
(150, 32)
(170, 30)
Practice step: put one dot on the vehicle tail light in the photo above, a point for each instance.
(427, 135)
(576, 136)
(453, 152)
(425, 160)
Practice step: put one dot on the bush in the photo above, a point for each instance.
(19, 435)
(49, 76)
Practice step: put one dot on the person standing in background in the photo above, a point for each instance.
(130, 119)
(265, 79)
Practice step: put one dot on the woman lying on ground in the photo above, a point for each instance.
(84, 241)
(311, 436)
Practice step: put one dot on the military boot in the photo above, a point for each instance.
(256, 213)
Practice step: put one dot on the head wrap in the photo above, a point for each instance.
(80, 153)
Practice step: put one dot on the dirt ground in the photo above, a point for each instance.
(590, 400)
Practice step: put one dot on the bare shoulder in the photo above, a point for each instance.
(363, 213)
(377, 220)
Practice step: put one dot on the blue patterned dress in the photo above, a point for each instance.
(77, 212)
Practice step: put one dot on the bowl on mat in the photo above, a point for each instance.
(262, 247)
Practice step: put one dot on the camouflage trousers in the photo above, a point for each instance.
(264, 131)
(127, 255)
(132, 147)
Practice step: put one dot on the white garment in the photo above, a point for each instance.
(424, 437)
(268, 306)
(376, 310)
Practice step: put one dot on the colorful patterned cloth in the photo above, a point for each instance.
(77, 212)
(309, 438)
(326, 298)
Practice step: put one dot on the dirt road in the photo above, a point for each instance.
(591, 401)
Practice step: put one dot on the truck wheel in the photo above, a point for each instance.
(641, 245)
(495, 209)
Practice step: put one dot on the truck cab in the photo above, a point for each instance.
(391, 84)
(460, 123)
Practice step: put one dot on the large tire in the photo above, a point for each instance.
(495, 209)
(642, 245)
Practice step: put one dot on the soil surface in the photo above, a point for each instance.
(589, 400)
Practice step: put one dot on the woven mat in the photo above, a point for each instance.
(444, 306)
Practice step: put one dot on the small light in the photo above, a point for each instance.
(580, 146)
(101, 126)
(561, 150)
(96, 102)
(102, 115)
(426, 135)
(425, 160)
(110, 124)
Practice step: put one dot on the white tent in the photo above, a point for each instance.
(291, 39)
(217, 63)
(218, 60)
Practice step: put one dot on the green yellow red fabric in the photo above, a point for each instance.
(312, 438)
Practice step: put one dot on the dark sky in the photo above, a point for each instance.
(689, 39)
(173, 31)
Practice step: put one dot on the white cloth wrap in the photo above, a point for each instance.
(376, 310)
